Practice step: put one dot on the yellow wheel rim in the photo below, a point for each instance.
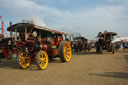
(43, 60)
(24, 60)
(67, 51)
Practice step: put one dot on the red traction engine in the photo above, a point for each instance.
(30, 42)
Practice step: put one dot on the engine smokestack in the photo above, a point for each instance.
(10, 23)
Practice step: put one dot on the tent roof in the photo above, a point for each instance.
(124, 39)
(110, 33)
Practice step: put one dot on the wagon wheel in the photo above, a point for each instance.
(65, 51)
(42, 60)
(24, 60)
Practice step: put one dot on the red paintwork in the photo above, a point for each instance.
(44, 46)
(20, 43)
(7, 53)
(53, 52)
(4, 52)
(58, 40)
(30, 41)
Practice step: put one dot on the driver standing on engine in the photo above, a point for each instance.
(35, 37)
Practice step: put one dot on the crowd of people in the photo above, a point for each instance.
(121, 45)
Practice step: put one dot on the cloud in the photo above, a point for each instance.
(119, 2)
(88, 22)
(28, 9)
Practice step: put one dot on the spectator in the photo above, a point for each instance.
(121, 46)
(0, 61)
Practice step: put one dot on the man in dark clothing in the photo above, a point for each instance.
(0, 61)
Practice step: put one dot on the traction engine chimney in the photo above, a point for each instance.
(10, 31)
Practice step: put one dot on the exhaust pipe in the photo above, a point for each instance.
(10, 23)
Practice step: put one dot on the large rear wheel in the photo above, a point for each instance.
(97, 47)
(42, 60)
(65, 52)
(101, 50)
(24, 60)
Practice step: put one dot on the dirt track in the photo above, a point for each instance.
(84, 69)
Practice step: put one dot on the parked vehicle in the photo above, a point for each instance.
(34, 43)
(104, 42)
(79, 44)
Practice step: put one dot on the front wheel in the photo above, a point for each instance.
(42, 60)
(24, 60)
(65, 52)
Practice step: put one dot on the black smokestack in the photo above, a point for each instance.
(10, 23)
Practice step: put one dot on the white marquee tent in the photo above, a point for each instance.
(118, 39)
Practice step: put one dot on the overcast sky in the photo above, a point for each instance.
(87, 17)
